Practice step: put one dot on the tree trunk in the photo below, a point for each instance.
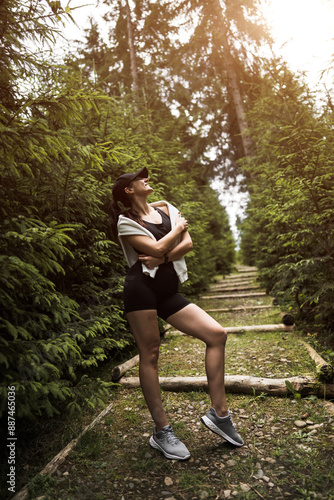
(242, 384)
(234, 86)
(132, 51)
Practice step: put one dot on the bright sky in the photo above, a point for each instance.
(304, 33)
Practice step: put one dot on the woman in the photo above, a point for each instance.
(155, 238)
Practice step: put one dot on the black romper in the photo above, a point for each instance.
(141, 292)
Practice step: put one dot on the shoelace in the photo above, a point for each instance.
(170, 436)
(231, 421)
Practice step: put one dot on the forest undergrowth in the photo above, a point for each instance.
(289, 441)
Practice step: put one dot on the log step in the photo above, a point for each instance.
(244, 308)
(254, 328)
(120, 370)
(222, 284)
(242, 384)
(240, 276)
(247, 269)
(234, 296)
(325, 370)
(259, 328)
(234, 289)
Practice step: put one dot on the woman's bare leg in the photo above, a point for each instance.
(144, 326)
(193, 321)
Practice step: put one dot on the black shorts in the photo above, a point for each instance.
(142, 292)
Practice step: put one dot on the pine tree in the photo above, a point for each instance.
(52, 219)
(289, 228)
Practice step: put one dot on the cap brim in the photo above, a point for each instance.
(143, 172)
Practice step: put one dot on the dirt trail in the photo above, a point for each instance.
(289, 440)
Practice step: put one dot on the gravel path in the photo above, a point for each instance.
(289, 442)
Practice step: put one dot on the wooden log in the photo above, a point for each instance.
(215, 288)
(120, 370)
(226, 283)
(244, 308)
(243, 384)
(259, 328)
(325, 370)
(287, 319)
(241, 276)
(234, 289)
(247, 269)
(53, 465)
(234, 296)
(243, 329)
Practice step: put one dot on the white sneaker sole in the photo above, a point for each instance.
(210, 425)
(156, 445)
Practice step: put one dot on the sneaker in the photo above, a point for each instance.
(169, 444)
(222, 426)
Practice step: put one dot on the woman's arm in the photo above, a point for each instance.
(159, 248)
(175, 253)
(182, 248)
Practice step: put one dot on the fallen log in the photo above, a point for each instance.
(325, 370)
(247, 269)
(53, 465)
(241, 276)
(234, 289)
(230, 283)
(119, 371)
(234, 296)
(243, 329)
(259, 328)
(287, 319)
(243, 384)
(244, 308)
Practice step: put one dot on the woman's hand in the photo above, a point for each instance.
(149, 261)
(149, 247)
(181, 223)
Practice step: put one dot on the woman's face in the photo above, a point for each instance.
(140, 187)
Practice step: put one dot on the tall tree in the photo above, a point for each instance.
(289, 230)
(199, 58)
(233, 82)
(54, 250)
(132, 51)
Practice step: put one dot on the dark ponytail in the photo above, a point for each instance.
(115, 211)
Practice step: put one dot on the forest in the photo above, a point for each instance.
(184, 89)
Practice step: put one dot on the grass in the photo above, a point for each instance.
(272, 354)
(279, 460)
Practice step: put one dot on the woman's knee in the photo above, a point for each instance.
(150, 355)
(217, 338)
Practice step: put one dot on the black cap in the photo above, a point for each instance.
(123, 181)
